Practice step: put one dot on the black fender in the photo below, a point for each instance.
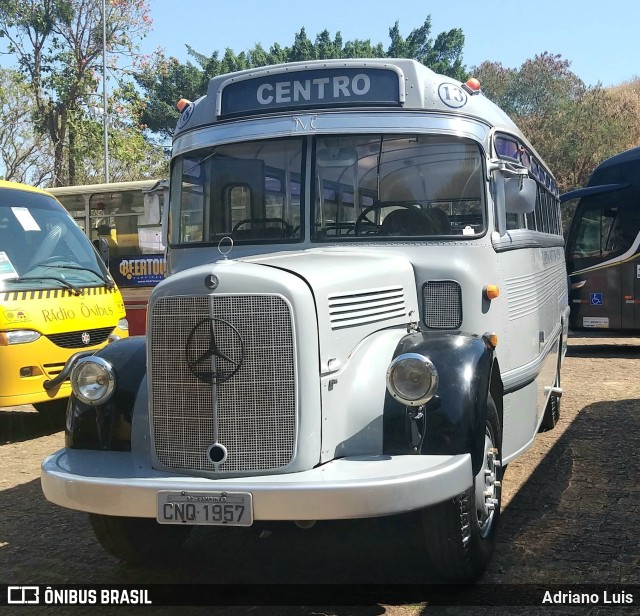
(108, 426)
(453, 421)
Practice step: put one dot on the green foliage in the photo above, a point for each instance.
(24, 155)
(58, 47)
(165, 80)
(51, 133)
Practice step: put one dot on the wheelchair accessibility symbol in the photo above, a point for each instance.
(596, 299)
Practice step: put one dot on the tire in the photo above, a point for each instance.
(460, 534)
(138, 540)
(552, 410)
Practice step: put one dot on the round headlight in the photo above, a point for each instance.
(93, 380)
(412, 379)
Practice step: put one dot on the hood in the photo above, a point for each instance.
(356, 293)
(352, 293)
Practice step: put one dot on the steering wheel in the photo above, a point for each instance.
(285, 225)
(362, 219)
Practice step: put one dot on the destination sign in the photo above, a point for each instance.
(327, 87)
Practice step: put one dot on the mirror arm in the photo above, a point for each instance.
(500, 205)
(507, 168)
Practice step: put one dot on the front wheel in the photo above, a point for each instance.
(137, 540)
(460, 533)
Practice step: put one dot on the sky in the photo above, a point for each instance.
(599, 38)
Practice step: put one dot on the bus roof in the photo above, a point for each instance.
(622, 168)
(303, 87)
(631, 155)
(20, 186)
(103, 188)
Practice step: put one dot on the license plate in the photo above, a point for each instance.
(212, 508)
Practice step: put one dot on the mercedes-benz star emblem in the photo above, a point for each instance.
(214, 350)
(86, 338)
(212, 281)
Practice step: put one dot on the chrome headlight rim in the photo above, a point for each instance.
(107, 371)
(430, 372)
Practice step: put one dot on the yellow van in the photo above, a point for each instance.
(57, 298)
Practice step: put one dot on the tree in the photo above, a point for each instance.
(165, 80)
(131, 156)
(58, 47)
(625, 103)
(572, 126)
(25, 156)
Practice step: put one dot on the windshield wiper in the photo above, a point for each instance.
(69, 286)
(109, 283)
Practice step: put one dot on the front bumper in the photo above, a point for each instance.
(110, 483)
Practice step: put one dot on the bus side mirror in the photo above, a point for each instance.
(514, 192)
(520, 195)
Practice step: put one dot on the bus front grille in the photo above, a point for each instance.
(199, 400)
(82, 338)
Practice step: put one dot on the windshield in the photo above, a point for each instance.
(248, 191)
(362, 187)
(604, 226)
(42, 247)
(397, 185)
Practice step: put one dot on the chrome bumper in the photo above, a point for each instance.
(109, 483)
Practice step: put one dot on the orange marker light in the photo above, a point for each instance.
(491, 338)
(491, 291)
(182, 103)
(473, 84)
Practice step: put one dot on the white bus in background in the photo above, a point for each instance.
(366, 315)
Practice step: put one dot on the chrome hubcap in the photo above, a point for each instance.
(487, 486)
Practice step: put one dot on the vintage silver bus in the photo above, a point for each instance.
(366, 315)
(603, 247)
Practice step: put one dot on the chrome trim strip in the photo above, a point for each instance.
(519, 239)
(293, 124)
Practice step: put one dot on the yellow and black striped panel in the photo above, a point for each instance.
(14, 296)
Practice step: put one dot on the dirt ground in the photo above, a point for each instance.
(569, 514)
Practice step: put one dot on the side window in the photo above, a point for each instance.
(622, 232)
(546, 216)
(594, 232)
